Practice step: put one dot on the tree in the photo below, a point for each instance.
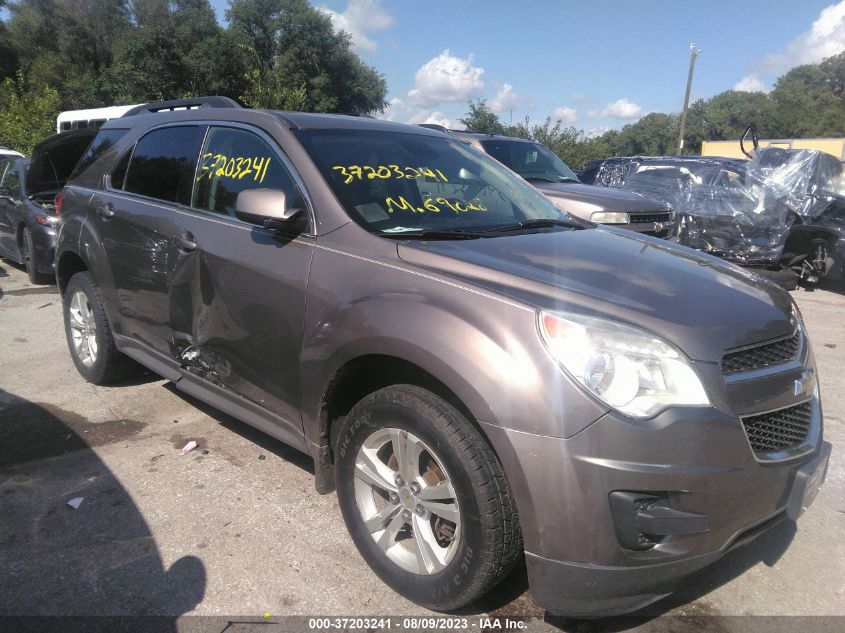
(300, 60)
(808, 100)
(27, 114)
(481, 118)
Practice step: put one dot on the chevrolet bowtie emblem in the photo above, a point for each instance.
(804, 385)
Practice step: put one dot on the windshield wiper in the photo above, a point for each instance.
(437, 234)
(552, 178)
(536, 223)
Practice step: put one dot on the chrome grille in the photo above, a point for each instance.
(654, 217)
(762, 356)
(779, 430)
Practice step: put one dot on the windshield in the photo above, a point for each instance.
(530, 160)
(395, 182)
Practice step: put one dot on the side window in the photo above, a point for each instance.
(234, 160)
(118, 174)
(164, 163)
(11, 181)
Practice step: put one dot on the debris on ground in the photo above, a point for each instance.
(189, 447)
(75, 502)
(261, 457)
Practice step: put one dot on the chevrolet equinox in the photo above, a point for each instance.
(479, 375)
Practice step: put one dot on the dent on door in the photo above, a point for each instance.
(236, 316)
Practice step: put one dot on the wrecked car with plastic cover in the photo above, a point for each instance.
(782, 210)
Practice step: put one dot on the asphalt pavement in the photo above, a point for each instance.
(234, 530)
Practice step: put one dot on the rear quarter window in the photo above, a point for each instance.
(102, 142)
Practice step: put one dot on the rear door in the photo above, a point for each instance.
(237, 304)
(139, 224)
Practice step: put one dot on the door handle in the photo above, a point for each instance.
(106, 211)
(185, 242)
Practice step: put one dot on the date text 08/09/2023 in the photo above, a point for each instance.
(416, 623)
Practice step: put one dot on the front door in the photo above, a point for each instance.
(237, 307)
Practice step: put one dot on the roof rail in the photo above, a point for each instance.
(183, 104)
(434, 126)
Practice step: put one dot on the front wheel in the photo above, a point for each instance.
(424, 498)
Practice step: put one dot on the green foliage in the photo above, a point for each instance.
(27, 113)
(809, 101)
(481, 118)
(273, 53)
(300, 62)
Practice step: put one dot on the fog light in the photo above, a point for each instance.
(610, 217)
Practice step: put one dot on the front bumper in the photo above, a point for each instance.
(44, 242)
(699, 461)
(586, 590)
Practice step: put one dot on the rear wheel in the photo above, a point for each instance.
(28, 253)
(89, 335)
(424, 498)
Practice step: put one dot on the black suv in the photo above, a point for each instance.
(478, 374)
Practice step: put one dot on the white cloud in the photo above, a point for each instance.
(401, 111)
(446, 78)
(394, 110)
(593, 132)
(359, 18)
(565, 114)
(826, 37)
(431, 116)
(505, 99)
(619, 109)
(750, 83)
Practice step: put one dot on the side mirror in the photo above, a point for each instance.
(269, 208)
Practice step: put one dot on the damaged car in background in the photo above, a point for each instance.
(782, 212)
(28, 190)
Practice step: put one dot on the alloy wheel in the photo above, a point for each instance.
(83, 328)
(407, 501)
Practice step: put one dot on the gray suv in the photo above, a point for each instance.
(478, 375)
(547, 172)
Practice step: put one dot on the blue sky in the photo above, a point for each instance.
(594, 65)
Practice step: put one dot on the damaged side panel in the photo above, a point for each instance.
(237, 304)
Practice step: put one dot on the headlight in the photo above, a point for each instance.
(626, 368)
(610, 217)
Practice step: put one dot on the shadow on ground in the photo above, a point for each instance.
(259, 438)
(66, 569)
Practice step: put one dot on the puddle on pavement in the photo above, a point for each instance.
(31, 431)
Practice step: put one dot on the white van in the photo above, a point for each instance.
(92, 117)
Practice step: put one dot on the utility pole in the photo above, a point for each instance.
(694, 52)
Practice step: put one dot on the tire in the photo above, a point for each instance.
(469, 536)
(28, 254)
(88, 333)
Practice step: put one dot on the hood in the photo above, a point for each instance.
(602, 198)
(701, 304)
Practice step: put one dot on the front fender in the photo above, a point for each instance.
(485, 349)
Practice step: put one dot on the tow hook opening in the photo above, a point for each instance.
(644, 519)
